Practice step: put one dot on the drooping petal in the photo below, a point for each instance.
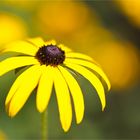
(37, 41)
(29, 82)
(16, 62)
(79, 56)
(44, 88)
(21, 47)
(76, 94)
(92, 66)
(63, 99)
(17, 83)
(93, 80)
(64, 48)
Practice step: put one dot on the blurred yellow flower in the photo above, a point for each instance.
(120, 61)
(131, 9)
(91, 37)
(62, 18)
(11, 28)
(51, 64)
(2, 135)
(117, 57)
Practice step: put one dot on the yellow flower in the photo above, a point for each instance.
(127, 6)
(50, 64)
(3, 135)
(66, 14)
(11, 28)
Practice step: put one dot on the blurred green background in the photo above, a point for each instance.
(108, 31)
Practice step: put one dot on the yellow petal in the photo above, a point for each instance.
(93, 80)
(17, 83)
(64, 48)
(91, 66)
(50, 42)
(44, 88)
(16, 62)
(28, 83)
(76, 94)
(63, 99)
(21, 47)
(37, 41)
(79, 56)
(61, 46)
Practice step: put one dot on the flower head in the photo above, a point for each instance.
(50, 64)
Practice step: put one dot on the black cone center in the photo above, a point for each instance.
(50, 55)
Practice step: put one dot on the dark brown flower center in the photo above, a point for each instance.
(50, 55)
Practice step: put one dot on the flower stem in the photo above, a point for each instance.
(44, 125)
